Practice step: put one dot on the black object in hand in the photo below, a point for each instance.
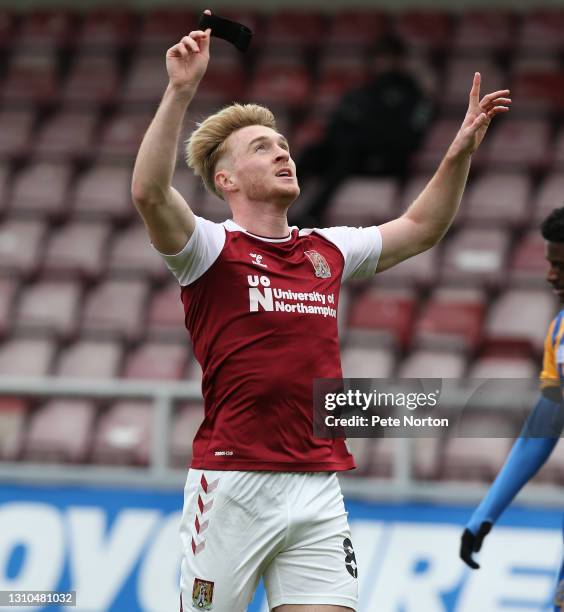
(235, 33)
(470, 543)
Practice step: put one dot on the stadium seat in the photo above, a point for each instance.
(528, 265)
(484, 29)
(285, 86)
(517, 143)
(122, 135)
(505, 321)
(383, 314)
(363, 201)
(424, 457)
(90, 359)
(106, 28)
(538, 84)
(549, 195)
(15, 127)
(60, 431)
(115, 309)
(184, 428)
(8, 288)
(420, 271)
(13, 413)
(432, 364)
(123, 436)
(30, 195)
(459, 74)
(131, 254)
(7, 29)
(45, 30)
(291, 27)
(166, 313)
(147, 79)
(498, 199)
(49, 307)
(508, 366)
(104, 192)
(93, 80)
(355, 27)
(476, 256)
(332, 84)
(186, 183)
(451, 319)
(13, 234)
(426, 29)
(194, 371)
(475, 454)
(157, 361)
(26, 357)
(163, 27)
(77, 249)
(435, 145)
(31, 79)
(362, 362)
(223, 84)
(69, 134)
(541, 30)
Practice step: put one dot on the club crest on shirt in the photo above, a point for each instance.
(202, 594)
(319, 263)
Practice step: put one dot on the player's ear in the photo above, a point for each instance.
(225, 181)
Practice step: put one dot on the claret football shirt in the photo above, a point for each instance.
(262, 316)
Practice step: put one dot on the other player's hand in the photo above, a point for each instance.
(470, 543)
(187, 61)
(478, 117)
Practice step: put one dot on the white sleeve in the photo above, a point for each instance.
(199, 253)
(360, 246)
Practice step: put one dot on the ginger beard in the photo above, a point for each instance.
(256, 154)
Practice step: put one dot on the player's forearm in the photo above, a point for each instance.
(437, 205)
(156, 160)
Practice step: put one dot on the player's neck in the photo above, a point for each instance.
(268, 222)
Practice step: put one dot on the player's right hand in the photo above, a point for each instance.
(471, 543)
(187, 61)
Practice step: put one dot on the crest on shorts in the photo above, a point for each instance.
(202, 594)
(319, 263)
(559, 596)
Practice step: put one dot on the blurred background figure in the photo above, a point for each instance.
(374, 129)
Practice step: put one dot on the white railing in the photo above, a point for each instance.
(401, 486)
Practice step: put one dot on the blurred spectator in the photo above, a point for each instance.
(374, 129)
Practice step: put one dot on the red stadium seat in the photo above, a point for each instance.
(184, 428)
(115, 308)
(31, 79)
(333, 83)
(538, 86)
(528, 261)
(452, 318)
(548, 196)
(30, 192)
(498, 199)
(163, 27)
(131, 254)
(386, 315)
(542, 30)
(487, 29)
(506, 322)
(355, 27)
(106, 28)
(432, 364)
(147, 79)
(93, 80)
(49, 307)
(222, 84)
(26, 357)
(435, 144)
(157, 361)
(509, 366)
(122, 135)
(60, 431)
(13, 234)
(459, 74)
(476, 256)
(15, 127)
(77, 249)
(305, 28)
(287, 86)
(104, 192)
(66, 135)
(90, 359)
(421, 270)
(363, 202)
(124, 434)
(166, 314)
(44, 30)
(426, 29)
(518, 144)
(12, 427)
(8, 287)
(361, 362)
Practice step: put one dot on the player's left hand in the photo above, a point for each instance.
(478, 117)
(471, 543)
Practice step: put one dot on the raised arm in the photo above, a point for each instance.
(168, 218)
(428, 218)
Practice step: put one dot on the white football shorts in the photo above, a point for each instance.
(289, 528)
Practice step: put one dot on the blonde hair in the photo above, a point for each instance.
(206, 144)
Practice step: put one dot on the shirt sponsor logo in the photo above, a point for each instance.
(202, 594)
(319, 263)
